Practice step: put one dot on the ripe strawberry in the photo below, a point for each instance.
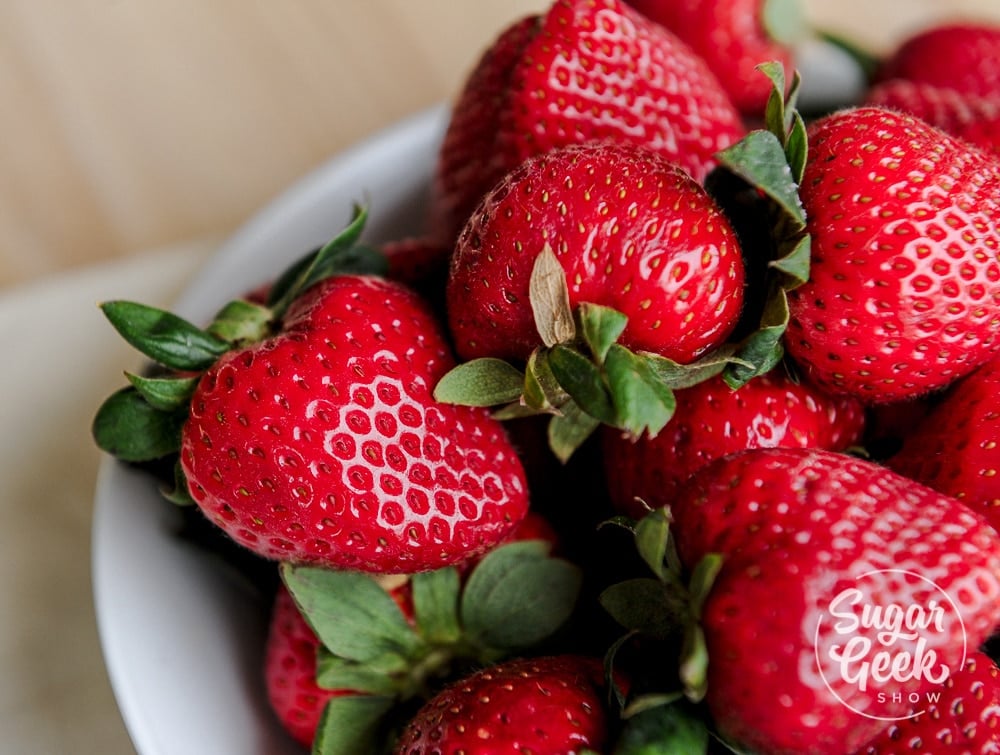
(630, 230)
(956, 448)
(958, 56)
(290, 671)
(973, 118)
(546, 706)
(733, 37)
(904, 287)
(322, 444)
(582, 71)
(816, 548)
(712, 420)
(964, 719)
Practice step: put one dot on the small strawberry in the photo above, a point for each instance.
(955, 449)
(312, 435)
(713, 420)
(630, 230)
(583, 71)
(904, 290)
(970, 117)
(964, 718)
(958, 56)
(547, 706)
(733, 37)
(840, 587)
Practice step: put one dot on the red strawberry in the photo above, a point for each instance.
(546, 706)
(956, 448)
(904, 290)
(584, 71)
(959, 56)
(973, 118)
(322, 444)
(712, 420)
(631, 231)
(733, 37)
(964, 719)
(290, 671)
(816, 549)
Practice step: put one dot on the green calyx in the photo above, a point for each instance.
(581, 375)
(142, 422)
(665, 608)
(513, 600)
(769, 164)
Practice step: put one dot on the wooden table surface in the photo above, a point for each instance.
(129, 125)
(135, 134)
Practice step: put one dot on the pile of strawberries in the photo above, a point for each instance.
(677, 433)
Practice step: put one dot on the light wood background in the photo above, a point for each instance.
(131, 124)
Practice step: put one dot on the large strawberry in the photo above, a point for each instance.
(733, 37)
(712, 420)
(904, 291)
(964, 717)
(313, 436)
(955, 449)
(546, 706)
(841, 588)
(582, 71)
(960, 56)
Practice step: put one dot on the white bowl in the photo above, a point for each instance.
(182, 642)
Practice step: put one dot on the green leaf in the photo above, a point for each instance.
(542, 391)
(663, 729)
(652, 537)
(352, 724)
(549, 296)
(775, 118)
(797, 147)
(759, 158)
(763, 348)
(516, 596)
(702, 578)
(480, 382)
(435, 604)
(582, 380)
(646, 605)
(129, 428)
(601, 326)
(333, 672)
(794, 264)
(241, 322)
(694, 662)
(679, 376)
(351, 614)
(642, 402)
(165, 394)
(164, 337)
(569, 430)
(179, 495)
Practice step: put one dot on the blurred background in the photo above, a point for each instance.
(131, 125)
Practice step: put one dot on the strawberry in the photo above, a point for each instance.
(712, 420)
(416, 261)
(967, 116)
(290, 671)
(311, 434)
(583, 71)
(954, 449)
(547, 706)
(958, 56)
(733, 37)
(904, 288)
(630, 230)
(965, 718)
(796, 529)
(846, 591)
